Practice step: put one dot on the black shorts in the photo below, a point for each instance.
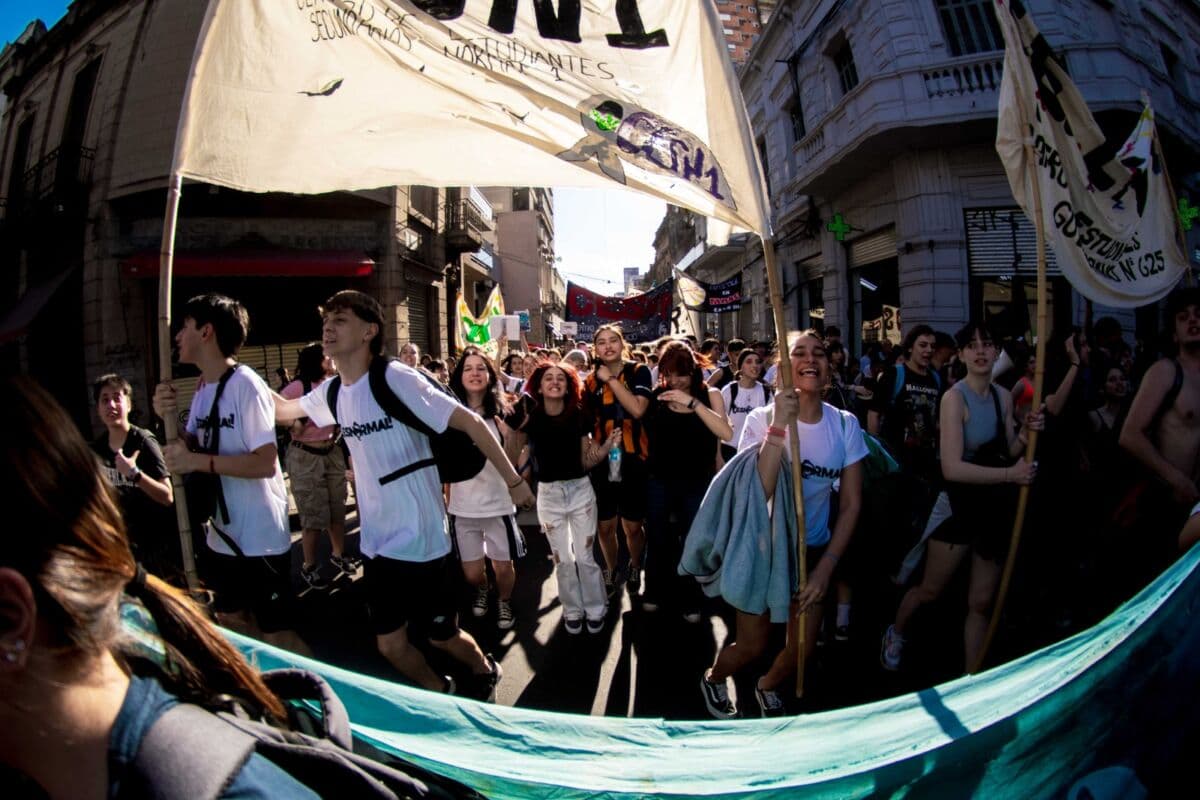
(625, 498)
(417, 592)
(982, 518)
(261, 585)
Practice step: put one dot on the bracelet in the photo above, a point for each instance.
(211, 466)
(774, 431)
(520, 480)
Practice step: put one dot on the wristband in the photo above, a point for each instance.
(774, 431)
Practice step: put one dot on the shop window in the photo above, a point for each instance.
(970, 26)
(875, 304)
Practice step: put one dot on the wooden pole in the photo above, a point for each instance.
(166, 260)
(1038, 381)
(786, 378)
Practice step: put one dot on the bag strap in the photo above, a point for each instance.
(1001, 436)
(388, 400)
(899, 384)
(168, 762)
(733, 394)
(331, 396)
(212, 444)
(225, 537)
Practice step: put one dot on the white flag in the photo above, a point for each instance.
(1111, 221)
(313, 96)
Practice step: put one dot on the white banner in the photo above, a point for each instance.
(312, 96)
(1111, 222)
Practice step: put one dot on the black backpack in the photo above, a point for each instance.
(455, 455)
(190, 752)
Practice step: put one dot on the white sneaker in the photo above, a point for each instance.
(891, 650)
(504, 615)
(480, 605)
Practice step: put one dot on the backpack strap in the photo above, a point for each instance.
(214, 438)
(1000, 434)
(167, 764)
(899, 385)
(733, 390)
(331, 396)
(389, 401)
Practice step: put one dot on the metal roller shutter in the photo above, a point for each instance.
(810, 269)
(997, 236)
(418, 316)
(879, 246)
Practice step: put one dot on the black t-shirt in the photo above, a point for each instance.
(555, 444)
(681, 445)
(152, 529)
(910, 419)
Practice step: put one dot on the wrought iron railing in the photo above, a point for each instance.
(63, 169)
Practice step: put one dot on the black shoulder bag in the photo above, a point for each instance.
(205, 499)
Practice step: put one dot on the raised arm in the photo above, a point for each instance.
(465, 420)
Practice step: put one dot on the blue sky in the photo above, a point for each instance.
(597, 232)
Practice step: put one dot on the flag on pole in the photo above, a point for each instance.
(335, 95)
(476, 330)
(712, 298)
(1111, 221)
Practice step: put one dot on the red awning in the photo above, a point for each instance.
(254, 264)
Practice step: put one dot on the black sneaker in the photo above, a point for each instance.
(313, 581)
(716, 698)
(769, 702)
(634, 580)
(610, 584)
(348, 566)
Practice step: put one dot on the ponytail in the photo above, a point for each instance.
(201, 664)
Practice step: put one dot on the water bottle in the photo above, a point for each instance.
(614, 464)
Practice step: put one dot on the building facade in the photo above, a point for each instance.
(742, 21)
(525, 259)
(86, 140)
(875, 123)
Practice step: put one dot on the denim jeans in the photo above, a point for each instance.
(671, 505)
(567, 513)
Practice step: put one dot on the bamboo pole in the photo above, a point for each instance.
(1038, 381)
(166, 260)
(785, 375)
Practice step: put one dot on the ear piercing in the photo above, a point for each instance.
(14, 651)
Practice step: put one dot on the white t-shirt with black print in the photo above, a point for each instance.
(747, 400)
(258, 507)
(826, 448)
(404, 519)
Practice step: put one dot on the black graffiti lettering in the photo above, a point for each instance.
(633, 33)
(442, 9)
(562, 24)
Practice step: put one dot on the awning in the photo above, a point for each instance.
(254, 264)
(21, 316)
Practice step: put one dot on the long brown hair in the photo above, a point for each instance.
(69, 542)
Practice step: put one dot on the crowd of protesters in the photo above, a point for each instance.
(662, 470)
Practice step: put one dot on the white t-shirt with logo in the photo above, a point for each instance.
(404, 519)
(486, 495)
(826, 448)
(258, 507)
(747, 401)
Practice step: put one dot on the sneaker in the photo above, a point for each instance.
(892, 649)
(610, 584)
(595, 625)
(479, 606)
(313, 582)
(491, 680)
(716, 697)
(691, 616)
(769, 702)
(346, 565)
(573, 626)
(841, 633)
(634, 580)
(504, 615)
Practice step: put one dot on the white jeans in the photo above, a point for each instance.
(567, 513)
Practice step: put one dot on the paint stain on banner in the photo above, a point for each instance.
(617, 132)
(326, 90)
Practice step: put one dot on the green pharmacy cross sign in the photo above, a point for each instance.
(839, 227)
(1187, 214)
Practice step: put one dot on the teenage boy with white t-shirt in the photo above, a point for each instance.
(403, 527)
(252, 588)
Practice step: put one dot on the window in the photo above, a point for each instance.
(1170, 62)
(766, 164)
(970, 26)
(843, 61)
(796, 117)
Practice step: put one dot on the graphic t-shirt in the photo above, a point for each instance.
(910, 420)
(149, 523)
(607, 413)
(258, 507)
(826, 448)
(486, 495)
(737, 410)
(404, 519)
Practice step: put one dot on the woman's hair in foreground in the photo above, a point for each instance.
(69, 542)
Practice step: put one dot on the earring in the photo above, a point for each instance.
(14, 652)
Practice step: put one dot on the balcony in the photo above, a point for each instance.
(63, 171)
(960, 79)
(465, 227)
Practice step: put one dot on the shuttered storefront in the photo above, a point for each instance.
(418, 315)
(878, 246)
(1002, 241)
